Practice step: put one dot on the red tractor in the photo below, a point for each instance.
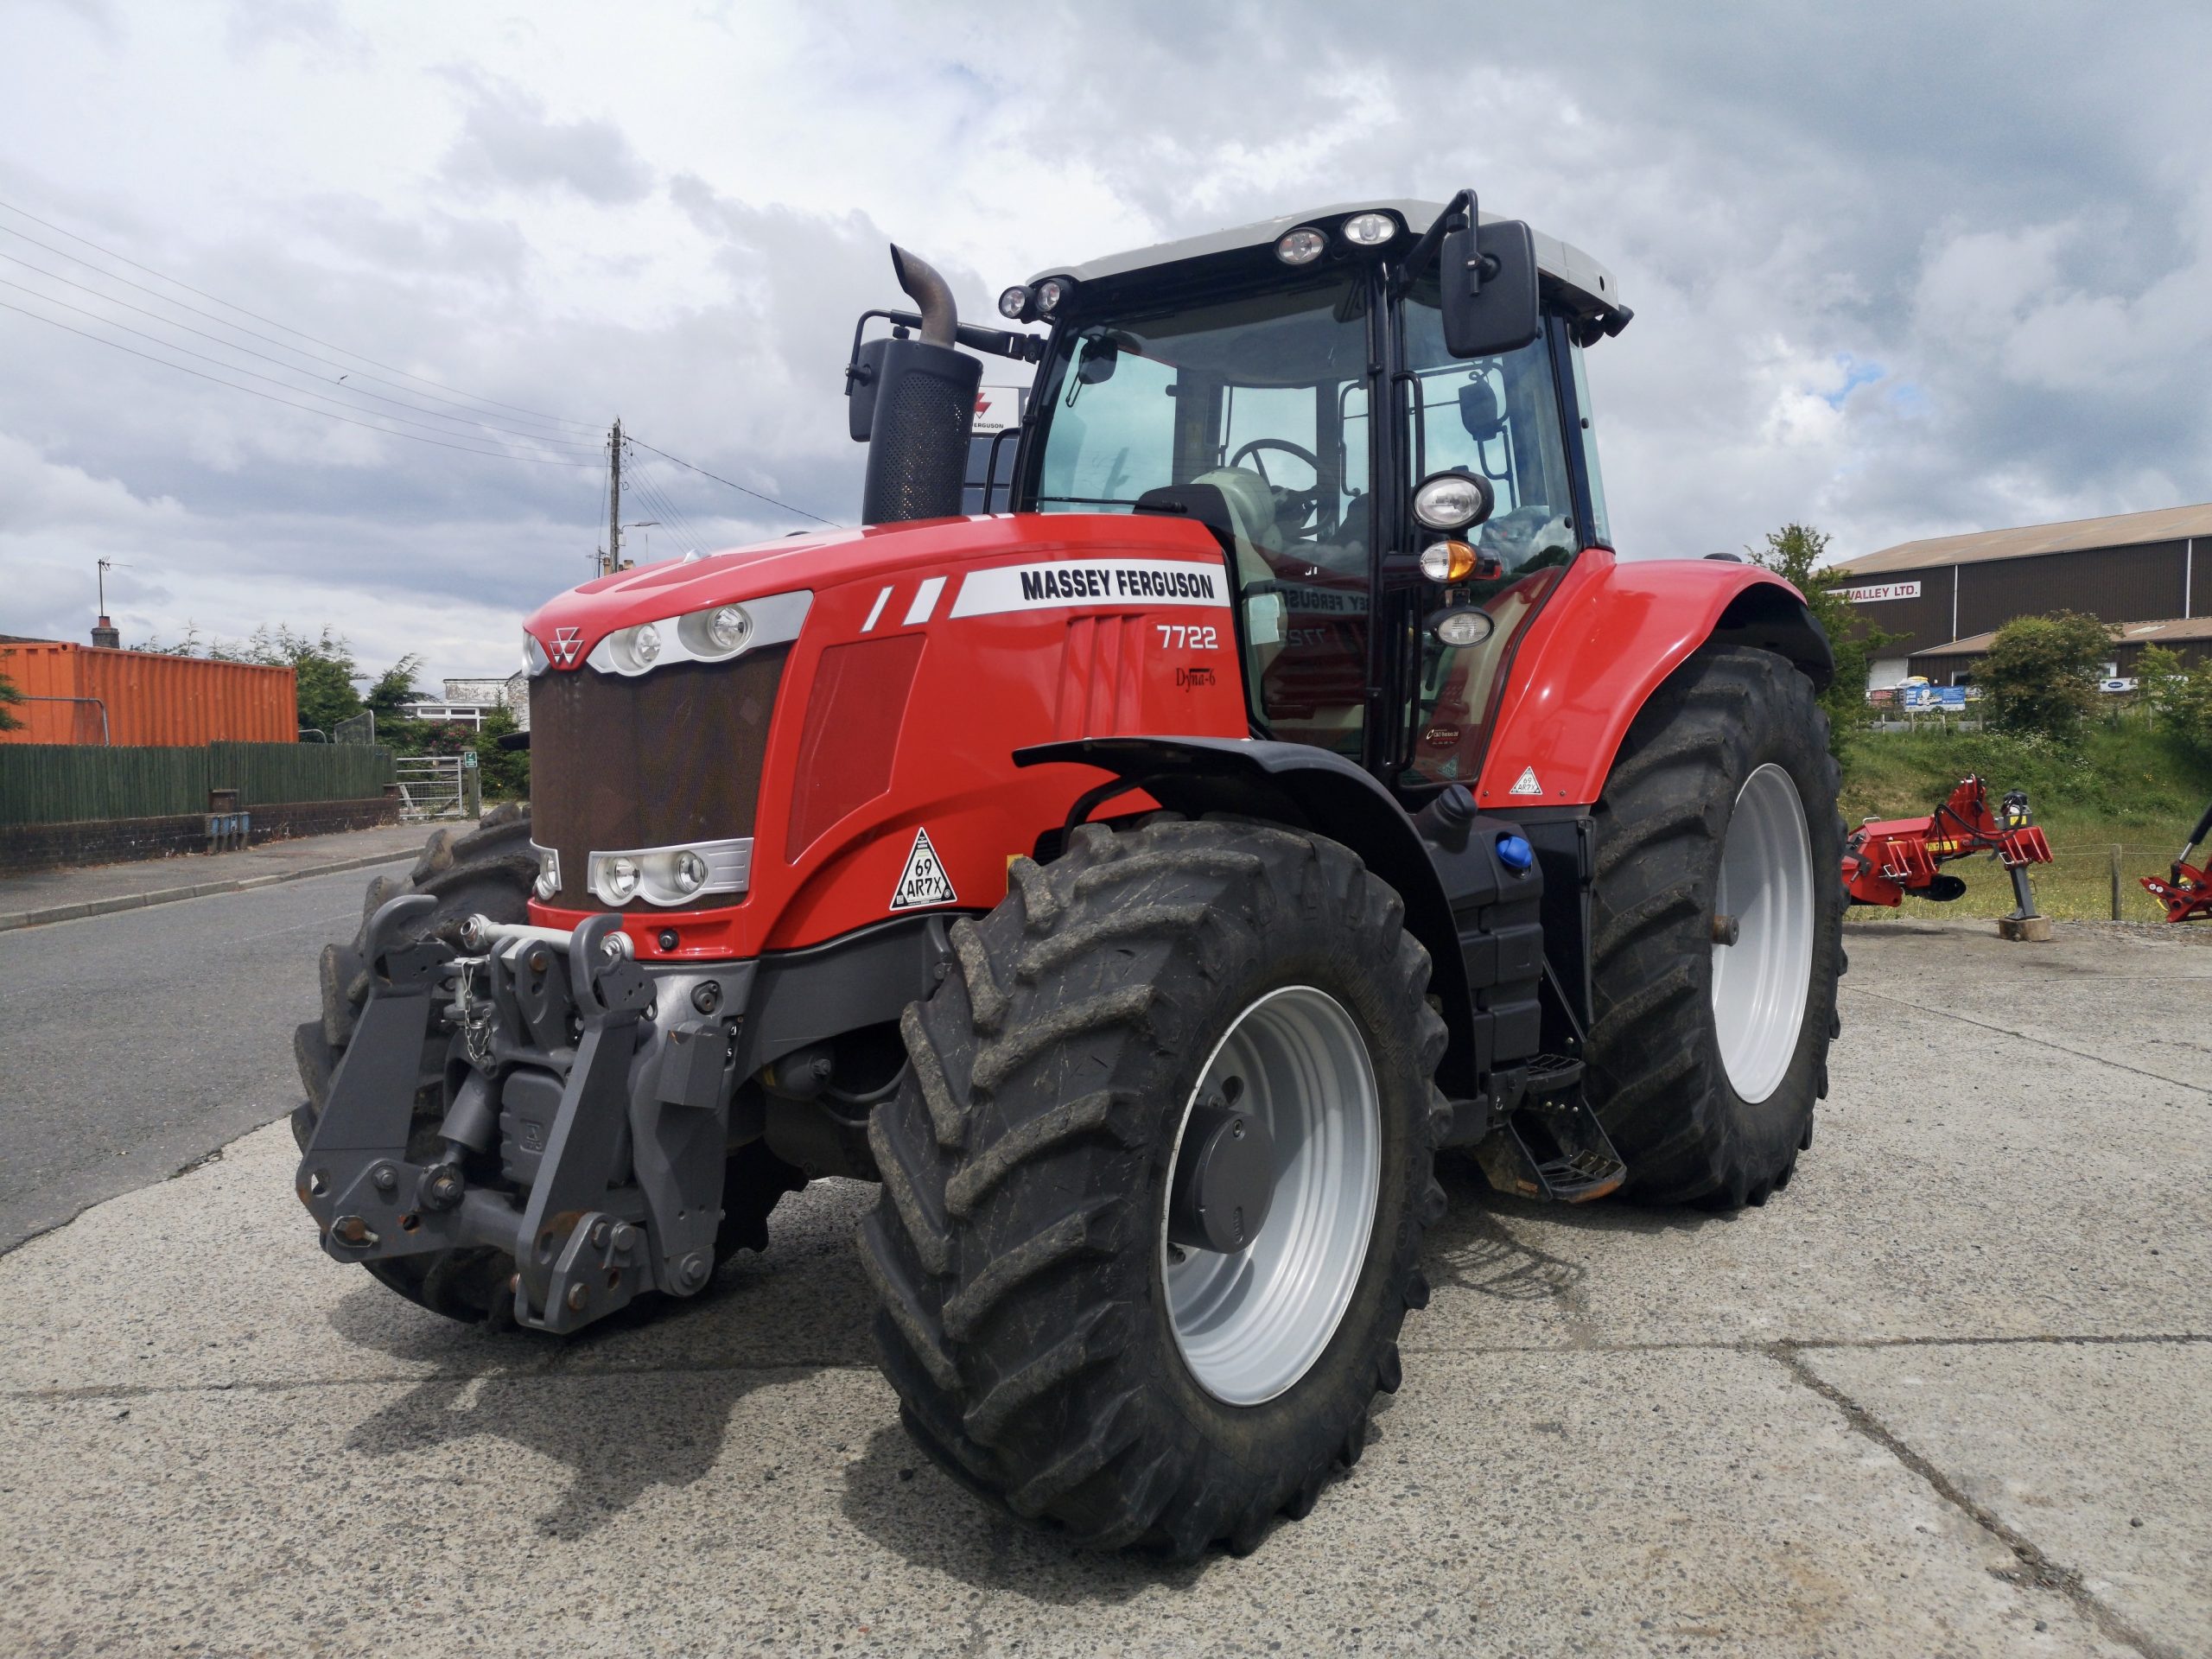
(1143, 883)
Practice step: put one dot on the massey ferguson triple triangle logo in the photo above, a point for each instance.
(567, 642)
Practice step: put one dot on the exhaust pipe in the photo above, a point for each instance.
(931, 293)
(922, 398)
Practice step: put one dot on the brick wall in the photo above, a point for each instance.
(28, 847)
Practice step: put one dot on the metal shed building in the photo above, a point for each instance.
(1943, 595)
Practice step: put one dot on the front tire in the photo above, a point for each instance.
(1719, 816)
(1052, 1346)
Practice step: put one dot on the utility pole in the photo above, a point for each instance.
(614, 500)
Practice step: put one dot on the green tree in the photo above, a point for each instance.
(506, 771)
(9, 693)
(2178, 693)
(1793, 553)
(395, 686)
(2041, 672)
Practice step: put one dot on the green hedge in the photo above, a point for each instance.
(55, 782)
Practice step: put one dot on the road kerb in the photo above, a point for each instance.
(11, 920)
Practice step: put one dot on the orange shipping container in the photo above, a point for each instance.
(142, 697)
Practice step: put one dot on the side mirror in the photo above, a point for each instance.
(1488, 279)
(1478, 410)
(1101, 357)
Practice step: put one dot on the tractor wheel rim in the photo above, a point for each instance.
(1250, 1324)
(1759, 981)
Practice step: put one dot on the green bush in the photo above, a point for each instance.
(2041, 672)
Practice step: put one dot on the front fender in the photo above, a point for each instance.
(1607, 641)
(1298, 784)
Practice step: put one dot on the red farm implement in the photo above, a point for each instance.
(2187, 890)
(1884, 860)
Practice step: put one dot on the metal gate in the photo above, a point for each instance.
(436, 786)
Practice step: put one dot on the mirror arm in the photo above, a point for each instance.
(1458, 212)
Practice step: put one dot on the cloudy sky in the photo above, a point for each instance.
(1899, 270)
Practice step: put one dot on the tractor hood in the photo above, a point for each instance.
(567, 627)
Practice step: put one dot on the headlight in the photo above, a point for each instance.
(1050, 293)
(1448, 562)
(722, 631)
(1369, 230)
(1463, 628)
(672, 875)
(1301, 246)
(1013, 304)
(534, 660)
(1450, 501)
(711, 635)
(548, 885)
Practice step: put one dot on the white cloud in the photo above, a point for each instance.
(674, 212)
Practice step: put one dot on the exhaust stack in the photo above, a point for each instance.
(922, 398)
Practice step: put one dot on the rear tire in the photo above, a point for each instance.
(1707, 1058)
(1019, 1245)
(485, 871)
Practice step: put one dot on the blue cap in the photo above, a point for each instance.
(1514, 852)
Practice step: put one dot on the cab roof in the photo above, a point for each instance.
(1589, 286)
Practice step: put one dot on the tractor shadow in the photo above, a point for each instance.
(641, 1402)
(1485, 1241)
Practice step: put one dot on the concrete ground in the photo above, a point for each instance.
(1951, 1392)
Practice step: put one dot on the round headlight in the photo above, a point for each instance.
(1468, 627)
(1369, 230)
(1452, 501)
(1013, 302)
(546, 885)
(1050, 293)
(1301, 246)
(644, 642)
(729, 627)
(621, 879)
(689, 874)
(1447, 561)
(534, 660)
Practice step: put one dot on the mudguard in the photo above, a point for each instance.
(1294, 783)
(1605, 641)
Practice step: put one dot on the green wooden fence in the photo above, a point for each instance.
(52, 783)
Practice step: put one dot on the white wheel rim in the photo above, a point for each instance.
(1766, 885)
(1250, 1324)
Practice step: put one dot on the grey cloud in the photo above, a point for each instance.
(508, 140)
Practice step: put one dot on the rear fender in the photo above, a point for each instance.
(1608, 639)
(1306, 788)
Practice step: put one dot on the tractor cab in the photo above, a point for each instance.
(1401, 490)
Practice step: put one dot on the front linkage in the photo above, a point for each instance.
(563, 1030)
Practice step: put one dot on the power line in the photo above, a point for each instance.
(257, 317)
(117, 344)
(171, 322)
(253, 334)
(664, 504)
(219, 363)
(742, 489)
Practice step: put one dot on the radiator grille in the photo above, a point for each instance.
(664, 757)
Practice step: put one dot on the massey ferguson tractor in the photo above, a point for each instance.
(1142, 882)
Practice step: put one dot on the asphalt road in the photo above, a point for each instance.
(1950, 1392)
(132, 1044)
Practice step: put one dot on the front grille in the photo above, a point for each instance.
(666, 758)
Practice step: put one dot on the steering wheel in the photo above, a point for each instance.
(1296, 511)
